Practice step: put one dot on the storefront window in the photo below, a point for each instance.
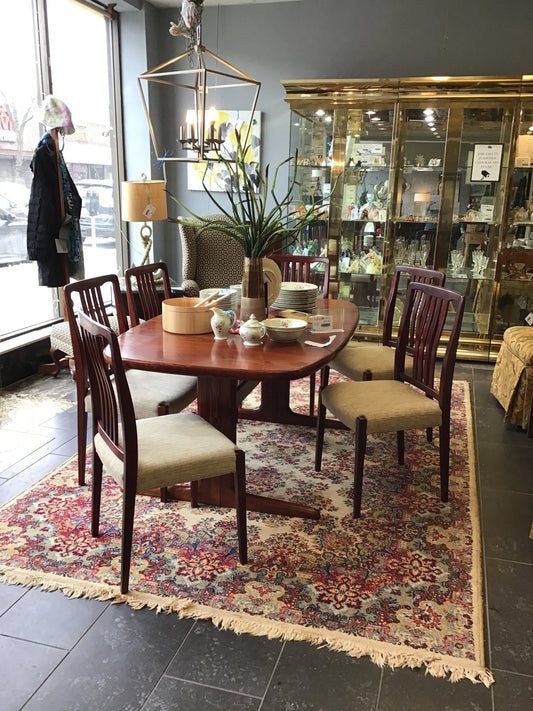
(80, 77)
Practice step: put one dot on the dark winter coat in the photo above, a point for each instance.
(44, 215)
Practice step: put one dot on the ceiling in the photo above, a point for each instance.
(208, 3)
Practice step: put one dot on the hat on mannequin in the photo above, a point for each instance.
(57, 115)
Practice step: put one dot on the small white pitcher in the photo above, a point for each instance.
(221, 322)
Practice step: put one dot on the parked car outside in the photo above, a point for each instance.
(97, 220)
(14, 199)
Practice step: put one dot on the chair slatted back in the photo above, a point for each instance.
(113, 414)
(423, 321)
(414, 274)
(295, 267)
(145, 302)
(88, 296)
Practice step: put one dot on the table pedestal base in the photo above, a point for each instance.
(219, 491)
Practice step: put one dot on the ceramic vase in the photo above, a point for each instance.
(253, 289)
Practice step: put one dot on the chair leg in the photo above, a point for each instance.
(96, 494)
(57, 357)
(400, 446)
(82, 441)
(312, 388)
(163, 409)
(429, 434)
(128, 511)
(367, 375)
(324, 376)
(320, 426)
(444, 451)
(359, 463)
(194, 494)
(240, 505)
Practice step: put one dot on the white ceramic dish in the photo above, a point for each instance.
(285, 330)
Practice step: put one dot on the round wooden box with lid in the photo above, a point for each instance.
(180, 316)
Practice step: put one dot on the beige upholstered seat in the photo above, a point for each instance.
(357, 360)
(211, 259)
(406, 408)
(413, 399)
(172, 450)
(150, 453)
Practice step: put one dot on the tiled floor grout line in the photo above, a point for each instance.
(274, 668)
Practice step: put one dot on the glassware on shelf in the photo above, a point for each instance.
(424, 253)
(480, 261)
(400, 250)
(411, 252)
(457, 259)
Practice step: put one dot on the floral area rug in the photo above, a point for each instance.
(402, 584)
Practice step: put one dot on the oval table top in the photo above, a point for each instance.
(148, 347)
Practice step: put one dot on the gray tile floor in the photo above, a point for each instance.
(58, 654)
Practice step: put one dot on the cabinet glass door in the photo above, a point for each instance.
(365, 205)
(478, 203)
(514, 305)
(423, 133)
(311, 140)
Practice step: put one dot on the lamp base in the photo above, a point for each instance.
(146, 236)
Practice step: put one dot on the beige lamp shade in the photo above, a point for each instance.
(144, 200)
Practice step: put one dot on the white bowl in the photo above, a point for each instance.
(285, 330)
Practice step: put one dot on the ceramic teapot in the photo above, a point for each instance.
(252, 332)
(221, 322)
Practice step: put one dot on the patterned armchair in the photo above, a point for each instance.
(210, 259)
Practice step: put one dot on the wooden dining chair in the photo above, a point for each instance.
(146, 286)
(153, 393)
(361, 360)
(414, 398)
(295, 267)
(375, 361)
(153, 452)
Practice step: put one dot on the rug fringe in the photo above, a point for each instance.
(381, 653)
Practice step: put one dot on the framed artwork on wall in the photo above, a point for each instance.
(227, 123)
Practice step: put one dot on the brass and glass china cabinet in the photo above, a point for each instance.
(434, 172)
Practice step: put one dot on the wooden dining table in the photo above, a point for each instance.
(226, 370)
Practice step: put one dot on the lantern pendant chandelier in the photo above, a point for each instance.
(204, 80)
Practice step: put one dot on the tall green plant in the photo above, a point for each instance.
(260, 228)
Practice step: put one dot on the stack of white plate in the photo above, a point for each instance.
(296, 295)
(236, 300)
(228, 302)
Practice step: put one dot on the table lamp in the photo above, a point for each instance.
(144, 201)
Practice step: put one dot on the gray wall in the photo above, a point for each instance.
(319, 39)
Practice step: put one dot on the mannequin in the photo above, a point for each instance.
(53, 235)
